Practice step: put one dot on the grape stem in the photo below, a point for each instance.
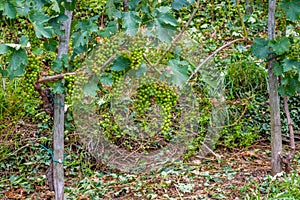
(151, 64)
(215, 52)
(55, 77)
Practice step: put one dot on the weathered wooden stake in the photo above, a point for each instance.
(274, 97)
(58, 146)
(59, 119)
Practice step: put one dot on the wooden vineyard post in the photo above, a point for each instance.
(274, 97)
(59, 119)
(58, 146)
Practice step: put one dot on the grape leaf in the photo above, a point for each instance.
(42, 31)
(290, 64)
(291, 9)
(163, 9)
(133, 4)
(110, 29)
(65, 60)
(58, 88)
(10, 10)
(79, 39)
(78, 50)
(51, 45)
(110, 9)
(17, 61)
(87, 26)
(106, 79)
(290, 85)
(70, 5)
(57, 65)
(37, 51)
(117, 14)
(120, 63)
(38, 19)
(178, 4)
(23, 7)
(281, 45)
(24, 41)
(177, 72)
(163, 32)
(55, 6)
(167, 18)
(3, 48)
(260, 48)
(131, 23)
(91, 87)
(38, 16)
(277, 69)
(56, 22)
(163, 27)
(3, 72)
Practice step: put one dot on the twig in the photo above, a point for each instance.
(108, 61)
(241, 18)
(210, 150)
(290, 123)
(55, 77)
(287, 161)
(214, 53)
(178, 37)
(234, 123)
(151, 64)
(15, 152)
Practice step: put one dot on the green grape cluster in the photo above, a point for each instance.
(161, 94)
(106, 48)
(136, 48)
(88, 8)
(32, 71)
(118, 83)
(77, 91)
(70, 79)
(293, 54)
(97, 5)
(136, 57)
(111, 130)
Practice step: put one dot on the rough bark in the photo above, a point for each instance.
(58, 137)
(276, 137)
(58, 146)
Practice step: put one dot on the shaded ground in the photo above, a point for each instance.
(236, 174)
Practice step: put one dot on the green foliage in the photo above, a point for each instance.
(244, 79)
(280, 45)
(260, 48)
(177, 73)
(240, 135)
(178, 4)
(285, 67)
(131, 23)
(291, 9)
(17, 61)
(215, 22)
(282, 186)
